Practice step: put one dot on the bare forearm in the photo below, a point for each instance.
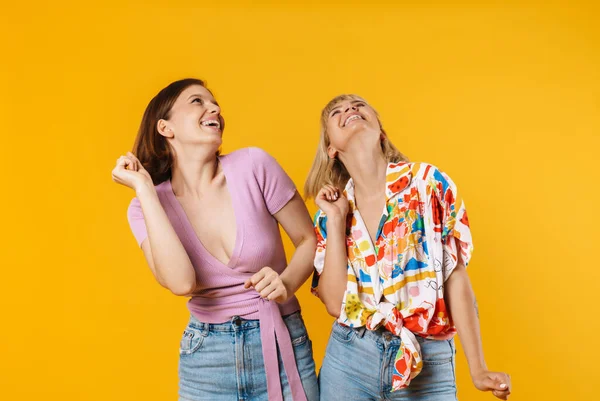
(334, 278)
(300, 266)
(169, 260)
(463, 309)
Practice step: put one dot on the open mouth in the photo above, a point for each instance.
(353, 117)
(211, 123)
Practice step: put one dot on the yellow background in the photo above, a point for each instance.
(503, 97)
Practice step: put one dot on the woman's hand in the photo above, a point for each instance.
(269, 285)
(330, 201)
(130, 172)
(496, 382)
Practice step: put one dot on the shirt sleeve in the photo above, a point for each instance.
(135, 216)
(276, 186)
(320, 223)
(451, 219)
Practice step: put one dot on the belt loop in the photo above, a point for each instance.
(360, 331)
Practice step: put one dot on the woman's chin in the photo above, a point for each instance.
(215, 140)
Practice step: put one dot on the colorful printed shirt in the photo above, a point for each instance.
(398, 282)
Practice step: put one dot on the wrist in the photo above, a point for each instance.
(477, 369)
(336, 223)
(145, 189)
(288, 287)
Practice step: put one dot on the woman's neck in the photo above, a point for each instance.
(368, 171)
(195, 172)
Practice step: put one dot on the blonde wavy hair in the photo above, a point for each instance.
(331, 171)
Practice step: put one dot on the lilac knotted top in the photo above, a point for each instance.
(259, 188)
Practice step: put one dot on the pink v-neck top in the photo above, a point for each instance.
(259, 188)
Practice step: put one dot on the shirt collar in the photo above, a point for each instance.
(397, 178)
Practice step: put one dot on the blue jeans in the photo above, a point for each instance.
(224, 362)
(359, 363)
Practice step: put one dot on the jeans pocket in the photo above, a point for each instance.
(436, 352)
(192, 340)
(343, 334)
(298, 341)
(296, 328)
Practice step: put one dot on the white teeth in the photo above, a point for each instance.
(352, 118)
(211, 123)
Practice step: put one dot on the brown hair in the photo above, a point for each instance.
(150, 147)
(331, 171)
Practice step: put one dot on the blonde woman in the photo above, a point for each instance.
(393, 243)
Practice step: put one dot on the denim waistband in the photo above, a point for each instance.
(381, 335)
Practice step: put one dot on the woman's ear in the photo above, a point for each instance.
(331, 152)
(163, 128)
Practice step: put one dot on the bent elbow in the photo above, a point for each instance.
(182, 289)
(333, 308)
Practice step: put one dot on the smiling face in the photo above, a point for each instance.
(346, 118)
(195, 118)
(348, 124)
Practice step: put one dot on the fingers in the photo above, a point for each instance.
(502, 381)
(130, 162)
(266, 276)
(119, 170)
(332, 193)
(256, 278)
(503, 395)
(262, 284)
(489, 384)
(122, 176)
(500, 384)
(279, 292)
(328, 192)
(127, 163)
(267, 283)
(127, 169)
(138, 163)
(267, 288)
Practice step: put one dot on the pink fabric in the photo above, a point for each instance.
(259, 188)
